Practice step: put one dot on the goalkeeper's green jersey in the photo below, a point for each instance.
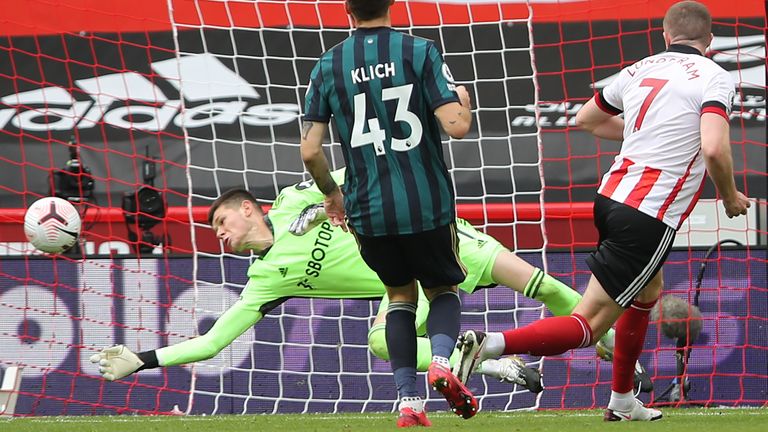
(326, 261)
(323, 263)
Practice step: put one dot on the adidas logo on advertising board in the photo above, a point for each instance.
(212, 94)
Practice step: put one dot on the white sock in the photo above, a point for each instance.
(621, 401)
(160, 353)
(489, 367)
(494, 345)
(442, 361)
(415, 403)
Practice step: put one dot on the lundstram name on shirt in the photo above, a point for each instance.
(210, 93)
(684, 62)
(745, 106)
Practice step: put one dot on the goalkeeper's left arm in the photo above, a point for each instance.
(118, 361)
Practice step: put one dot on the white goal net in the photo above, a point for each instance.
(312, 355)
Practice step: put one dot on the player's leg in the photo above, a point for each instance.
(377, 342)
(443, 322)
(590, 319)
(400, 333)
(495, 265)
(434, 256)
(508, 369)
(632, 250)
(443, 325)
(490, 263)
(631, 245)
(594, 314)
(631, 328)
(516, 273)
(383, 255)
(487, 262)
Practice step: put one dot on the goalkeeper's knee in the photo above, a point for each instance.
(377, 341)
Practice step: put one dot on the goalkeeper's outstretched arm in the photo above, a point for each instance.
(118, 361)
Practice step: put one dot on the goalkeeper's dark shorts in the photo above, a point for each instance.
(632, 248)
(431, 257)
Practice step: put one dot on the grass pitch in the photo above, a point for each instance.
(675, 420)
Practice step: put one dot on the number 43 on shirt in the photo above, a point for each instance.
(376, 135)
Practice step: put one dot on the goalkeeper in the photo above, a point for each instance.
(302, 255)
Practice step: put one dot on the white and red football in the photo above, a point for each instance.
(52, 225)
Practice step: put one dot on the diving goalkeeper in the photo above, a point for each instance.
(322, 261)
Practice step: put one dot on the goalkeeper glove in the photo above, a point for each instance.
(310, 217)
(117, 362)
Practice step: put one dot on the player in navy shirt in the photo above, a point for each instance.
(387, 92)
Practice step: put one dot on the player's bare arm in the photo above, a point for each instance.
(716, 149)
(599, 123)
(454, 117)
(312, 134)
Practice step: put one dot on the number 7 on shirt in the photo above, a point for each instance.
(655, 84)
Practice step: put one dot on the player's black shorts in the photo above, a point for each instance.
(633, 246)
(431, 257)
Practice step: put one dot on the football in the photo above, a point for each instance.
(52, 225)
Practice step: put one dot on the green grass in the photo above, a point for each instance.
(682, 420)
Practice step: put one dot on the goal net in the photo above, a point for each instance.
(318, 364)
(192, 97)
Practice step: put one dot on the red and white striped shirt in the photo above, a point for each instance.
(660, 170)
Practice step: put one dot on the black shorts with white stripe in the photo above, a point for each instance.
(633, 246)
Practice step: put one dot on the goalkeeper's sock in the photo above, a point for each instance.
(443, 323)
(149, 358)
(558, 297)
(609, 337)
(549, 336)
(401, 346)
(489, 367)
(630, 336)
